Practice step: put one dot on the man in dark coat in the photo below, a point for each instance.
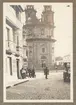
(33, 72)
(46, 72)
(29, 71)
(23, 73)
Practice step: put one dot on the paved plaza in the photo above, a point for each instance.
(40, 88)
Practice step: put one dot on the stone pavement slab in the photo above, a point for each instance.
(19, 81)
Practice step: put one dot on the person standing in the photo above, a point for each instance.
(29, 71)
(46, 72)
(33, 72)
(23, 73)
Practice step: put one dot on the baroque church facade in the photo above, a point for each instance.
(39, 35)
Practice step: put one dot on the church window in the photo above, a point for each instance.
(42, 31)
(43, 50)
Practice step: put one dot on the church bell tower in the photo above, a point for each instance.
(47, 15)
(30, 13)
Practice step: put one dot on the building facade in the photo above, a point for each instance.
(67, 59)
(39, 37)
(59, 60)
(13, 40)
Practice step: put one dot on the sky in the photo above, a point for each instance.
(63, 20)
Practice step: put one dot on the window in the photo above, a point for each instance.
(52, 49)
(17, 40)
(8, 33)
(26, 53)
(52, 32)
(10, 64)
(43, 50)
(30, 53)
(42, 31)
(18, 15)
(14, 36)
(25, 60)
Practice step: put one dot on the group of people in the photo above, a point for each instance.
(27, 72)
(31, 72)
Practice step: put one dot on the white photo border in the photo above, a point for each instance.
(4, 63)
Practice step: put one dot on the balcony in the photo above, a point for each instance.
(17, 54)
(10, 47)
(19, 51)
(8, 52)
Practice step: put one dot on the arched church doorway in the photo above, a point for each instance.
(43, 61)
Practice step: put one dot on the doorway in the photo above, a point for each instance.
(9, 65)
(43, 61)
(17, 62)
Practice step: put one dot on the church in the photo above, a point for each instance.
(39, 35)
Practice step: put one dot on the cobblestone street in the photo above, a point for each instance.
(40, 88)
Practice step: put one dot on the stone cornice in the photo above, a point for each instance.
(40, 39)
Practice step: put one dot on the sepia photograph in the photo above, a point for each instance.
(37, 52)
